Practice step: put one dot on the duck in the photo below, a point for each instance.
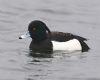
(46, 41)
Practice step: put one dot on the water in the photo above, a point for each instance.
(81, 17)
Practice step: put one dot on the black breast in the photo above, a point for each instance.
(42, 47)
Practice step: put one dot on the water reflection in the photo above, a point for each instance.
(56, 56)
(29, 79)
(57, 53)
(42, 67)
(40, 54)
(39, 67)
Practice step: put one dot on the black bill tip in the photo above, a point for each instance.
(20, 38)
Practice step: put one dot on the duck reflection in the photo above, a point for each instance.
(40, 54)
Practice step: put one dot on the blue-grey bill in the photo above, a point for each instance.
(25, 35)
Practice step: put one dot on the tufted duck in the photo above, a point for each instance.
(44, 40)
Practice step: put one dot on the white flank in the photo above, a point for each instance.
(71, 45)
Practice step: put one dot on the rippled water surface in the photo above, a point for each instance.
(81, 17)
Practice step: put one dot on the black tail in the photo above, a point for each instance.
(82, 40)
(85, 47)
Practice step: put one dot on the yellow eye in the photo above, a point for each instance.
(34, 29)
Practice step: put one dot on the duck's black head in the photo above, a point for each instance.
(38, 30)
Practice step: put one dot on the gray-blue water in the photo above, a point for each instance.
(81, 17)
